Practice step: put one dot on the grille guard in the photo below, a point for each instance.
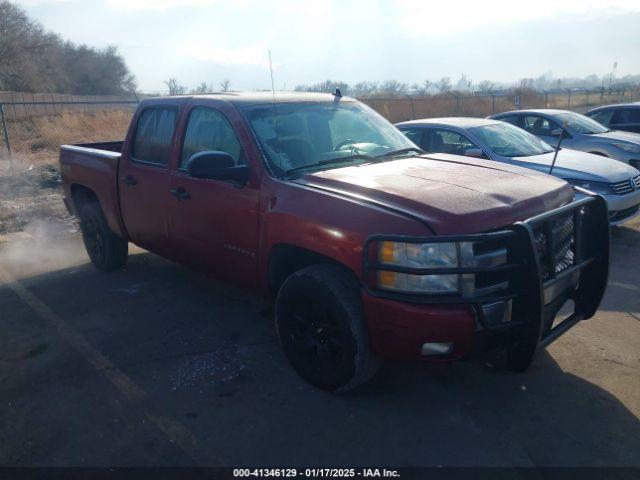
(535, 301)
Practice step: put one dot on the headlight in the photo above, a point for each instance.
(595, 187)
(628, 147)
(418, 255)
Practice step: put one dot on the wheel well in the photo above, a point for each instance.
(81, 195)
(286, 259)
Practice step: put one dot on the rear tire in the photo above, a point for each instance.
(321, 328)
(106, 250)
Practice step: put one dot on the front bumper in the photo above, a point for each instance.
(531, 286)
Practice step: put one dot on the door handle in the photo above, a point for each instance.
(180, 193)
(129, 180)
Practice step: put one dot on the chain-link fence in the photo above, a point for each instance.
(32, 127)
(408, 107)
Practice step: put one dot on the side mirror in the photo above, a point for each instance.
(556, 132)
(215, 165)
(474, 152)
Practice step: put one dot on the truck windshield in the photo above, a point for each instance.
(580, 123)
(321, 135)
(510, 141)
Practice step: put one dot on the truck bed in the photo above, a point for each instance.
(93, 167)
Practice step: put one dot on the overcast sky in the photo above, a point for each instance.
(312, 40)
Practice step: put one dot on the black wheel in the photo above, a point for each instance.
(106, 250)
(321, 328)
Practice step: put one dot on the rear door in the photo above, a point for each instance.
(214, 224)
(144, 177)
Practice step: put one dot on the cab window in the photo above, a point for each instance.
(154, 133)
(208, 129)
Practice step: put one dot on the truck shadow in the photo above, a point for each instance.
(171, 329)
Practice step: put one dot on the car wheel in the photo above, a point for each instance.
(106, 250)
(321, 328)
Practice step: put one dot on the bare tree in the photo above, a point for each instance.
(225, 85)
(486, 86)
(427, 84)
(393, 87)
(444, 84)
(202, 88)
(174, 87)
(34, 60)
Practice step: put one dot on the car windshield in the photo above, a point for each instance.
(510, 141)
(580, 123)
(322, 134)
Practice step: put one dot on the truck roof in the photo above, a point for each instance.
(254, 98)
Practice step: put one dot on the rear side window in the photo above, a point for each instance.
(154, 132)
(413, 134)
(537, 125)
(603, 117)
(448, 141)
(209, 129)
(512, 119)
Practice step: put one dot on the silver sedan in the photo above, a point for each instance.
(582, 133)
(502, 142)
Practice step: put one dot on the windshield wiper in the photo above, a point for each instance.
(400, 152)
(328, 161)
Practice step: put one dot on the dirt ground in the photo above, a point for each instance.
(158, 365)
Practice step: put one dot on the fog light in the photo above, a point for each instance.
(429, 349)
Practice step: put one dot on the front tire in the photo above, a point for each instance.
(321, 328)
(106, 250)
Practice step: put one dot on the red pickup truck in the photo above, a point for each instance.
(370, 248)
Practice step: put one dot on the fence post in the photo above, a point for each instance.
(493, 103)
(5, 134)
(587, 99)
(413, 108)
(546, 99)
(568, 98)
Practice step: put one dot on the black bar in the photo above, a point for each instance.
(4, 129)
(558, 330)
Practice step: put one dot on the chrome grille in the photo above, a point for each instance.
(626, 186)
(560, 246)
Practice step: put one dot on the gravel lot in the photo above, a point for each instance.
(158, 365)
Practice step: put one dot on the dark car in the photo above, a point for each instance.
(625, 116)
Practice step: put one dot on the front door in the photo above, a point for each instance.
(144, 178)
(214, 224)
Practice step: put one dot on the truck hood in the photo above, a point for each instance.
(452, 194)
(579, 165)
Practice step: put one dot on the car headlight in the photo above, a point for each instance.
(418, 255)
(595, 187)
(628, 147)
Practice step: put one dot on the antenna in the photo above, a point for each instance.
(275, 115)
(555, 155)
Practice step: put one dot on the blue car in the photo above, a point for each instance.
(495, 140)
